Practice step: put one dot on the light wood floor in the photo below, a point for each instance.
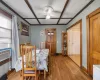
(76, 59)
(62, 68)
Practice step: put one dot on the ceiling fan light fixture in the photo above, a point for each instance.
(48, 17)
(49, 11)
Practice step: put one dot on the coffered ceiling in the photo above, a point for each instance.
(32, 10)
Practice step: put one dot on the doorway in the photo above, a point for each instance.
(75, 43)
(51, 40)
(93, 40)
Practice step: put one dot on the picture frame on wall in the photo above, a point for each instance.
(42, 33)
(24, 29)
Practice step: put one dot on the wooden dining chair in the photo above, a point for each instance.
(28, 44)
(29, 62)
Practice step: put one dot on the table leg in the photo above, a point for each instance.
(20, 72)
(44, 74)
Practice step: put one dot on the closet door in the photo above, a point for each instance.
(70, 40)
(76, 39)
(74, 43)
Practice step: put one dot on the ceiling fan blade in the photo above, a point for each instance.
(57, 11)
(50, 2)
(39, 8)
(42, 13)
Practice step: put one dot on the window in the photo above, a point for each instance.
(5, 30)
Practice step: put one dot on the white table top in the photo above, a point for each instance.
(97, 66)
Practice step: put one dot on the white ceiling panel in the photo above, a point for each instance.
(74, 7)
(49, 21)
(32, 21)
(38, 6)
(64, 21)
(20, 7)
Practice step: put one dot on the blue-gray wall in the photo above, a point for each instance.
(88, 10)
(36, 38)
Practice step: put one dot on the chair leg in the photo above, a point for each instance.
(39, 75)
(22, 77)
(35, 77)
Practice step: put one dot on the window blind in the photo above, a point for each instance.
(5, 29)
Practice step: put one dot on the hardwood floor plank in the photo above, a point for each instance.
(62, 68)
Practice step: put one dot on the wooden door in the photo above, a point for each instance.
(70, 38)
(51, 40)
(94, 40)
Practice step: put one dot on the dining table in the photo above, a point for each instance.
(41, 61)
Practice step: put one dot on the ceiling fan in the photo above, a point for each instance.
(48, 10)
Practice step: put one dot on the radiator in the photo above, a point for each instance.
(5, 61)
(5, 54)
